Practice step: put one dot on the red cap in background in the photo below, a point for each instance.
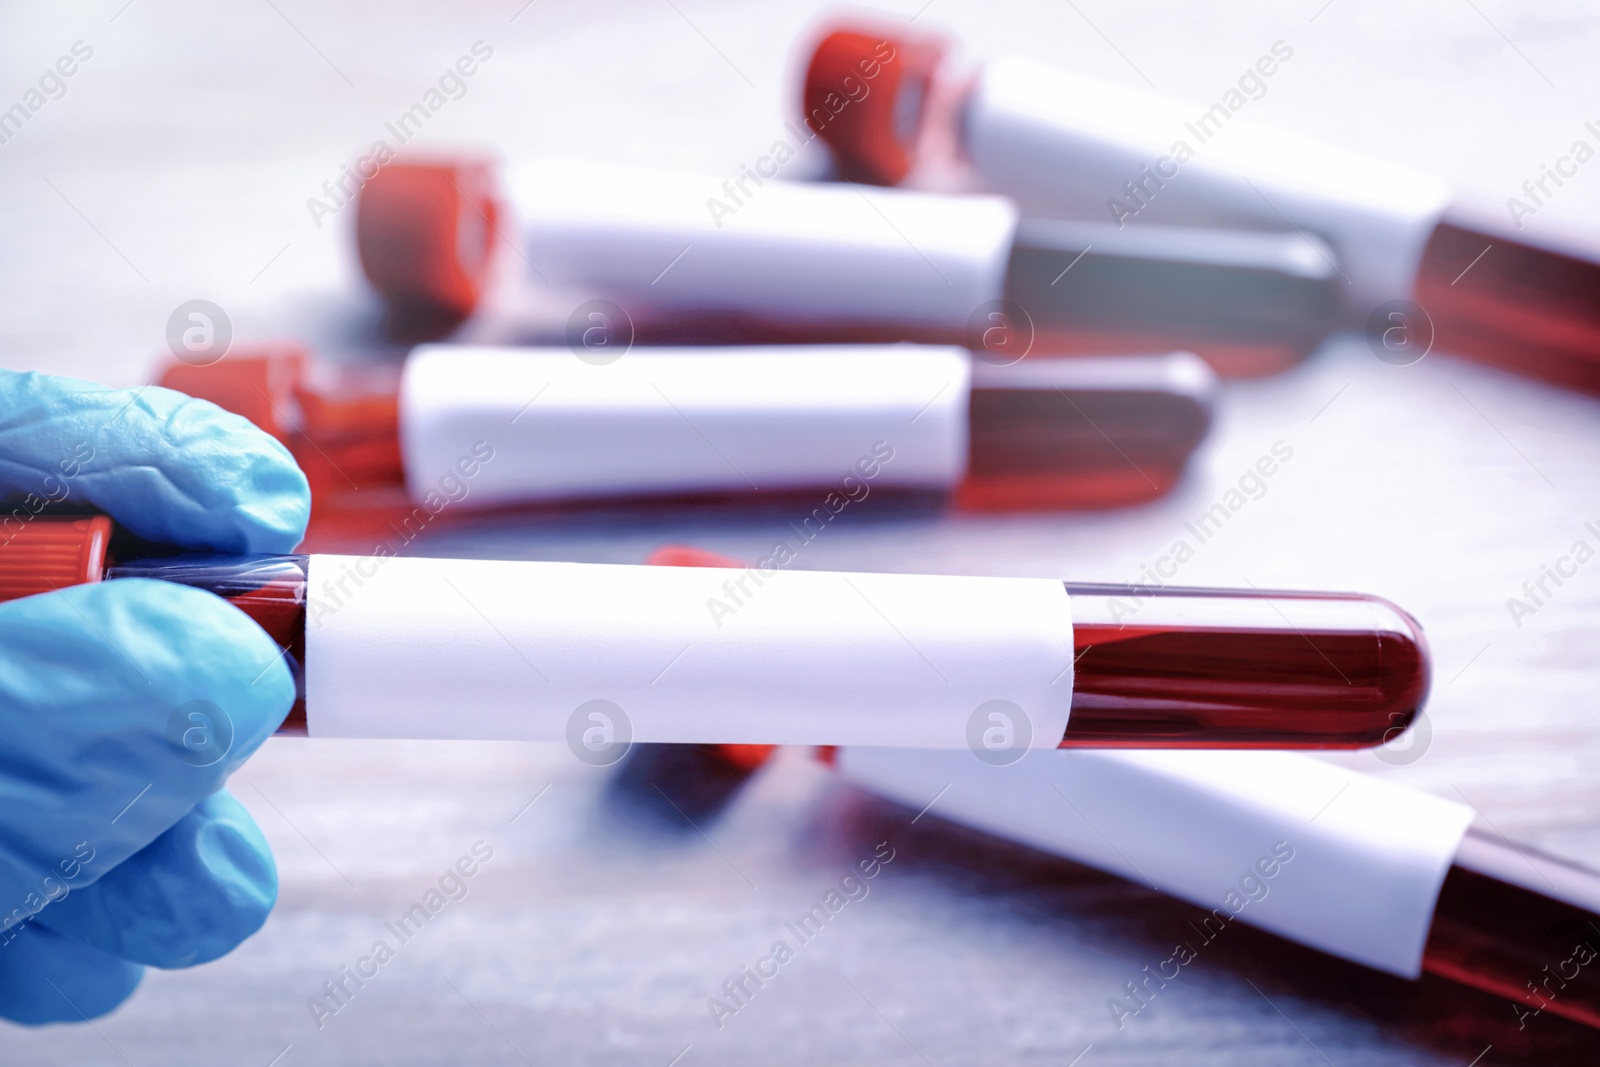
(864, 94)
(256, 381)
(425, 231)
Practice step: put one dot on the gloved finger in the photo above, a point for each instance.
(168, 467)
(98, 684)
(188, 897)
(46, 978)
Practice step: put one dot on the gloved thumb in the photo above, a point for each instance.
(99, 684)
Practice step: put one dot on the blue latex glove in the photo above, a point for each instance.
(115, 850)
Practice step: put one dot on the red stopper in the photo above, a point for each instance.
(426, 232)
(689, 556)
(40, 553)
(258, 382)
(864, 95)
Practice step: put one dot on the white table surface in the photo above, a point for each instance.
(177, 166)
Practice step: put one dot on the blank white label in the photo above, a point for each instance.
(671, 420)
(837, 254)
(481, 649)
(1368, 856)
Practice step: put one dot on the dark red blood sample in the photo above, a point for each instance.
(1505, 300)
(1252, 316)
(1208, 668)
(1509, 920)
(1246, 314)
(1522, 924)
(1040, 439)
(1044, 434)
(1198, 668)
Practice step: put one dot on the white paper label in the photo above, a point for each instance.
(1368, 856)
(682, 420)
(481, 649)
(1065, 146)
(784, 251)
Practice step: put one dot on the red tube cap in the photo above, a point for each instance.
(689, 556)
(864, 95)
(425, 231)
(42, 553)
(257, 382)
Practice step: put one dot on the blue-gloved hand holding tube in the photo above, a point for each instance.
(124, 706)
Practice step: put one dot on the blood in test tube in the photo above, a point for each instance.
(1208, 668)
(823, 264)
(56, 551)
(1189, 665)
(1509, 920)
(1039, 434)
(1186, 665)
(1522, 924)
(269, 589)
(1497, 287)
(1250, 303)
(1506, 297)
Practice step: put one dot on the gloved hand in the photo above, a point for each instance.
(115, 850)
